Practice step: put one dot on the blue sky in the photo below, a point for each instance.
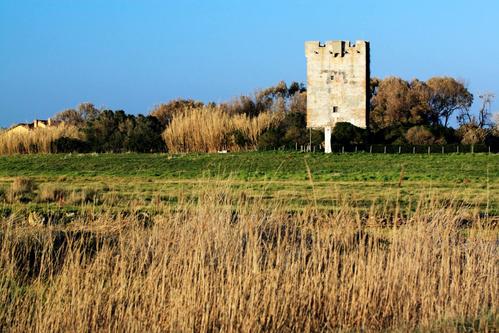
(131, 54)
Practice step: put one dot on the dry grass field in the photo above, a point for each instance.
(400, 252)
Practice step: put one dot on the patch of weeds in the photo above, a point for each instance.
(86, 195)
(51, 193)
(22, 190)
(5, 212)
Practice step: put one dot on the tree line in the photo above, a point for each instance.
(401, 112)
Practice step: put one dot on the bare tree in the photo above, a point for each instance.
(484, 114)
(83, 112)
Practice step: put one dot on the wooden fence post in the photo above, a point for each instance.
(384, 150)
(429, 150)
(370, 149)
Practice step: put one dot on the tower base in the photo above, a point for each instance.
(327, 140)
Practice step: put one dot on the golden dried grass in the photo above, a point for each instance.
(231, 264)
(210, 129)
(21, 187)
(38, 140)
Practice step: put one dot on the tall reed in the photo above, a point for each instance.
(227, 264)
(210, 129)
(38, 140)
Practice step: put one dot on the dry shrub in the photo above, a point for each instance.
(471, 134)
(51, 193)
(207, 267)
(22, 188)
(254, 126)
(38, 140)
(86, 195)
(210, 129)
(419, 135)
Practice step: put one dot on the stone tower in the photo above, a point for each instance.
(337, 85)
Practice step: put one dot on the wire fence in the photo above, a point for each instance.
(397, 149)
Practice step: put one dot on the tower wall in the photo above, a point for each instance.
(337, 83)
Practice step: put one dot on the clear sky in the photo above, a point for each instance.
(131, 54)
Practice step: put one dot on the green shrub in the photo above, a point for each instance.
(346, 133)
(70, 145)
(269, 139)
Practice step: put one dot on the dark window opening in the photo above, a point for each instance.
(335, 109)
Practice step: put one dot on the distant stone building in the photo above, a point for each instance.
(338, 78)
(24, 128)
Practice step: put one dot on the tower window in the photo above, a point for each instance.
(335, 109)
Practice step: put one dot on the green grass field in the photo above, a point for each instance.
(296, 180)
(260, 166)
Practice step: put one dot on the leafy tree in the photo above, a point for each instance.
(447, 96)
(269, 139)
(144, 135)
(420, 110)
(390, 106)
(290, 131)
(88, 111)
(444, 135)
(165, 112)
(240, 138)
(296, 87)
(241, 105)
(346, 133)
(107, 132)
(70, 145)
(400, 103)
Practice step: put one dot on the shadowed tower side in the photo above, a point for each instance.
(337, 85)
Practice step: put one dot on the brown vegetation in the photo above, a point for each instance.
(419, 135)
(471, 134)
(51, 193)
(37, 140)
(397, 102)
(210, 129)
(208, 266)
(167, 111)
(22, 188)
